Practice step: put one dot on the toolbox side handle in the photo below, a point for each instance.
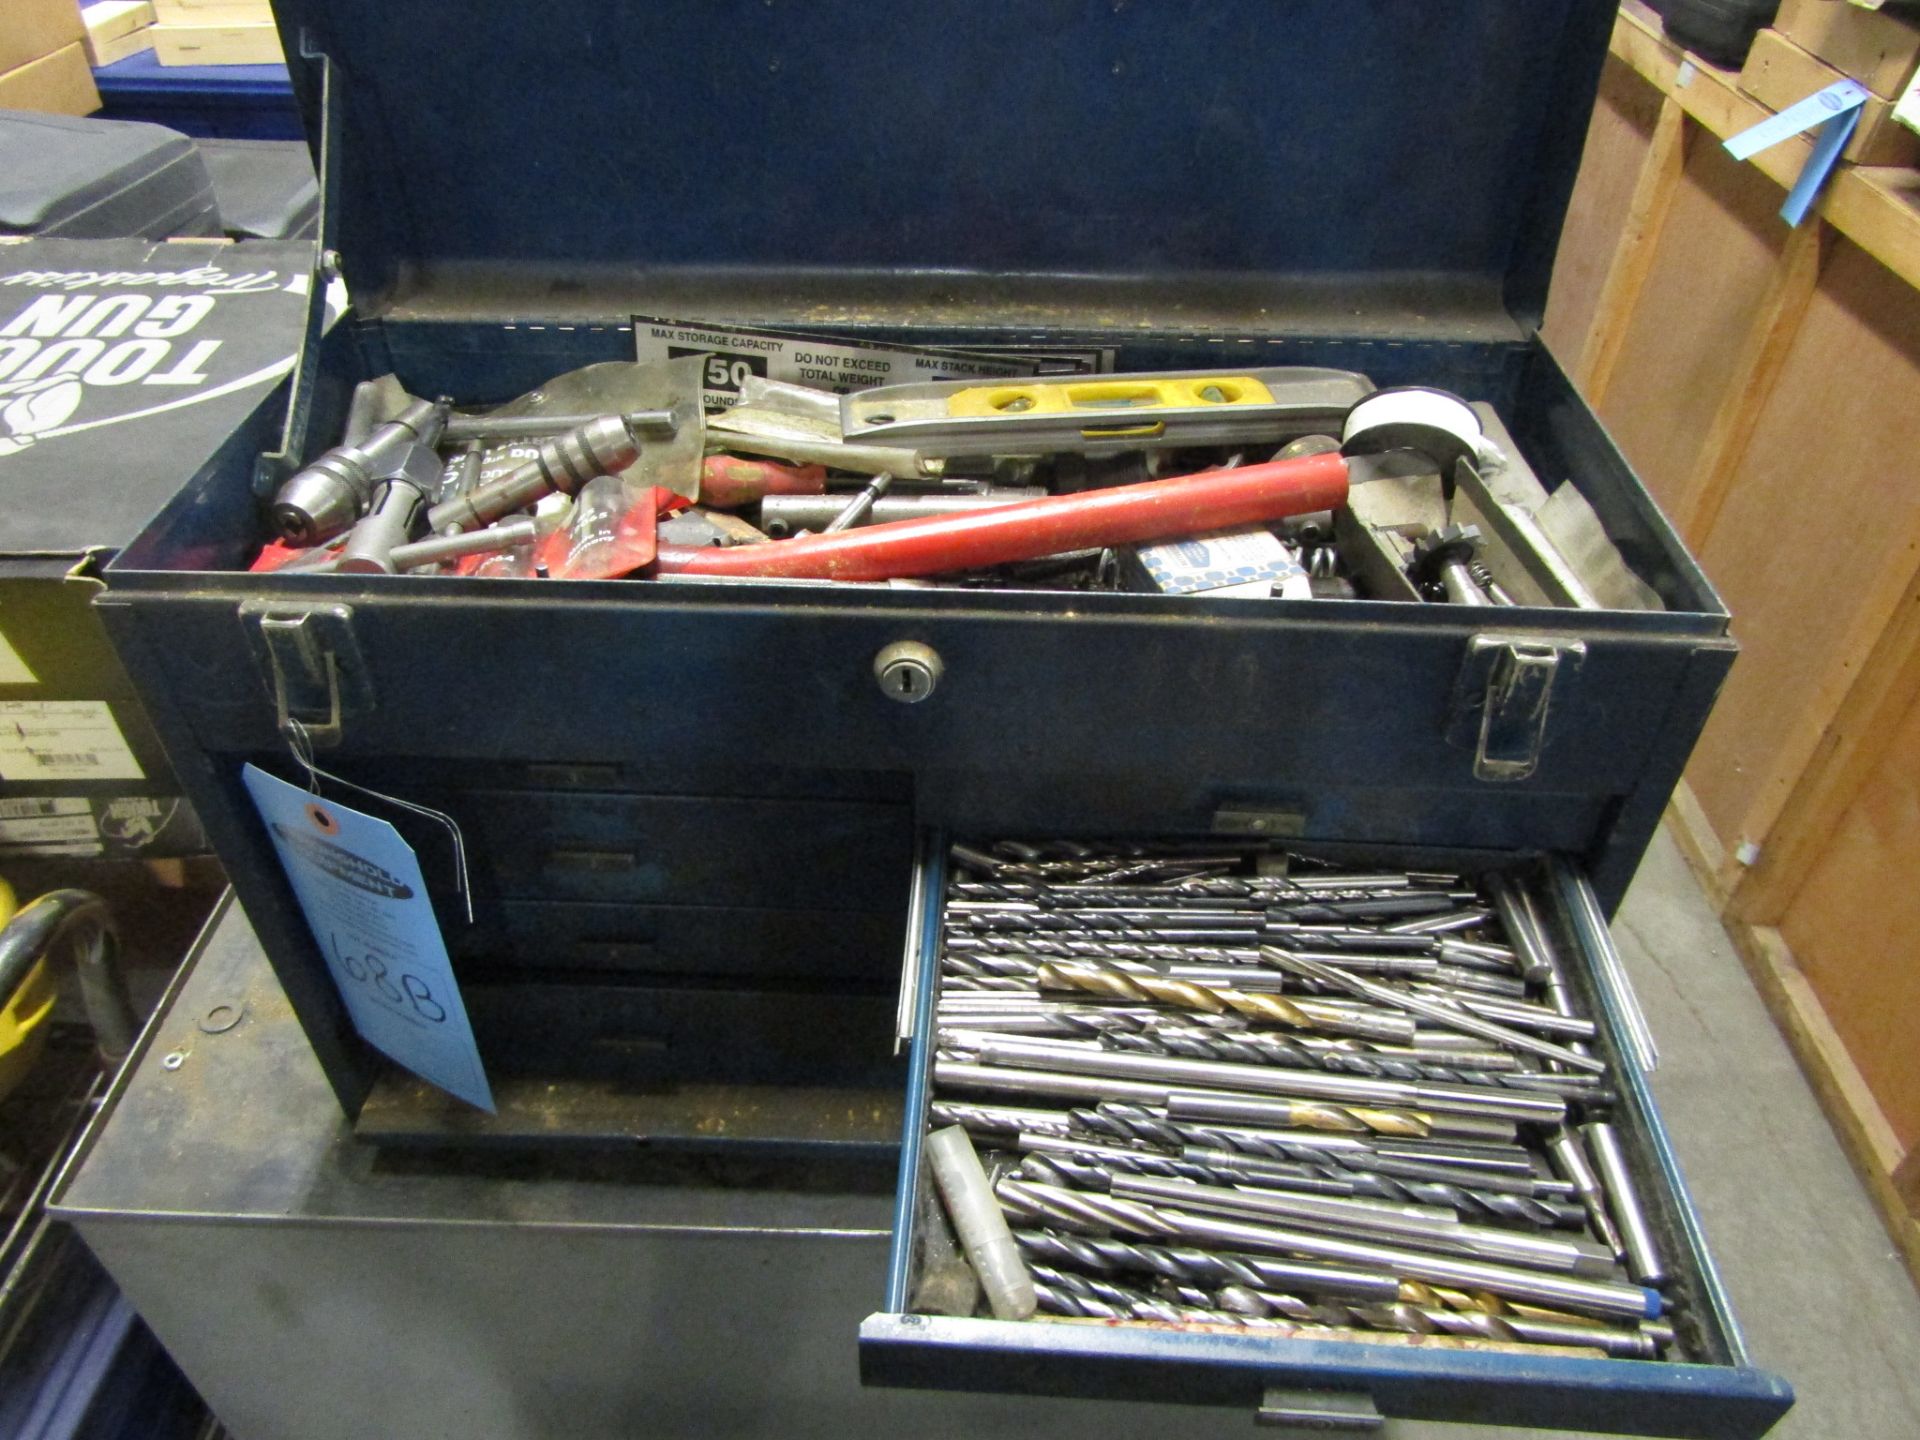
(273, 468)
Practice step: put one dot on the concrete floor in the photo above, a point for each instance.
(1818, 1286)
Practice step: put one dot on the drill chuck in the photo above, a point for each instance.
(604, 446)
(328, 496)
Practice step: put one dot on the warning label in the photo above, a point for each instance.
(841, 366)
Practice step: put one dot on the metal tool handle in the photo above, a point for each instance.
(1609, 971)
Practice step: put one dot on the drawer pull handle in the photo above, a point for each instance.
(1344, 1411)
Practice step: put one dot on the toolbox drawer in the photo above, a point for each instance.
(1716, 1393)
(736, 1034)
(679, 849)
(696, 940)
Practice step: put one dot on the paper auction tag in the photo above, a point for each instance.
(1831, 114)
(360, 887)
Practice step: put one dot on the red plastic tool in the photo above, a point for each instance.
(1028, 529)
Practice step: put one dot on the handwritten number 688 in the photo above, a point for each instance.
(373, 971)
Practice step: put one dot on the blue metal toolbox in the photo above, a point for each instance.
(699, 832)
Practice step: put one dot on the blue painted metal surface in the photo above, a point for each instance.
(245, 102)
(1052, 136)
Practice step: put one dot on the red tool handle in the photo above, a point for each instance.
(1028, 529)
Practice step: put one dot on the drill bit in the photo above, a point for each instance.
(1079, 1209)
(999, 1120)
(1470, 1325)
(1413, 1226)
(1491, 1109)
(1142, 1125)
(1441, 1014)
(1568, 1156)
(1121, 1030)
(1306, 1114)
(1470, 1202)
(979, 945)
(1065, 1292)
(1090, 1165)
(1105, 1255)
(1118, 984)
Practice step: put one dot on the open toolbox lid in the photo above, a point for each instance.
(1391, 161)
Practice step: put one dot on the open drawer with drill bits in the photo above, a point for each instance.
(1326, 1133)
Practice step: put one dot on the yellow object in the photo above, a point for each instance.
(1118, 394)
(23, 1031)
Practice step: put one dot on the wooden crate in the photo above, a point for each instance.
(1766, 382)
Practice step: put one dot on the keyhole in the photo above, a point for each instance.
(907, 671)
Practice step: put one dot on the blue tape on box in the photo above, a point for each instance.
(366, 902)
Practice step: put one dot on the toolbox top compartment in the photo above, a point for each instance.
(1390, 166)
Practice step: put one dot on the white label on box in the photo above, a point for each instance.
(1907, 112)
(14, 670)
(63, 740)
(839, 366)
(65, 822)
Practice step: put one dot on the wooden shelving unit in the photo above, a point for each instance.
(1766, 383)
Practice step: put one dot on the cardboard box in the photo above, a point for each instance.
(32, 29)
(1778, 73)
(256, 43)
(61, 82)
(1878, 50)
(116, 29)
(212, 12)
(93, 438)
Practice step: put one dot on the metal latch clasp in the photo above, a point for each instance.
(312, 667)
(1503, 697)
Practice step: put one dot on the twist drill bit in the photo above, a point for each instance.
(1644, 1342)
(1138, 1125)
(1036, 1069)
(1078, 1209)
(1064, 1160)
(1120, 1030)
(1063, 1292)
(1117, 984)
(998, 1120)
(1416, 1227)
(1451, 1018)
(1110, 868)
(1504, 1324)
(1124, 924)
(1468, 1202)
(1481, 1112)
(1077, 945)
(1106, 1255)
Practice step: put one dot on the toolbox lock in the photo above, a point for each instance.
(1503, 697)
(908, 671)
(312, 667)
(1344, 1411)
